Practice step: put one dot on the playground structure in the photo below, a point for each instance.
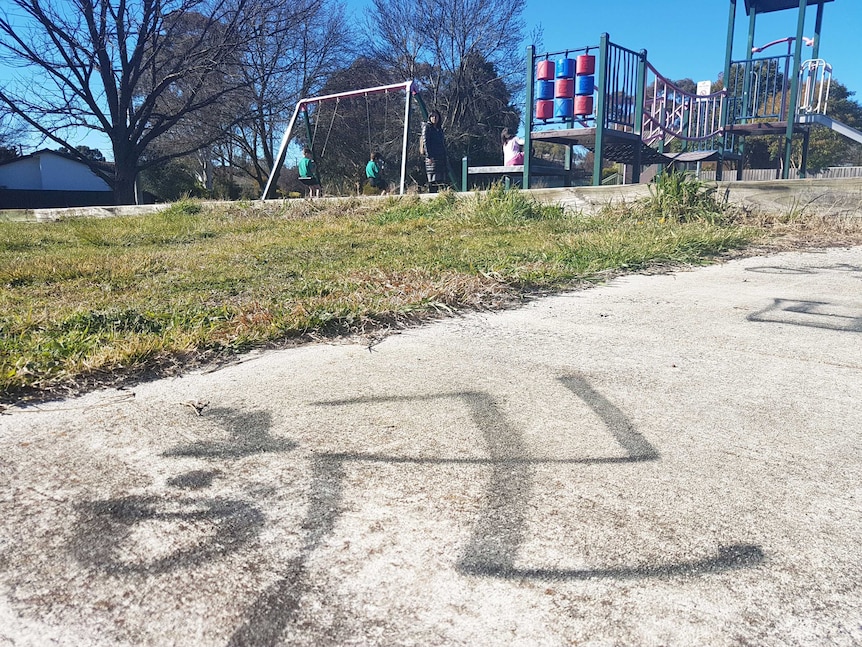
(612, 101)
(302, 108)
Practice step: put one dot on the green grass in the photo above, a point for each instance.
(89, 301)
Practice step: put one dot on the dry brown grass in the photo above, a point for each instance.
(105, 302)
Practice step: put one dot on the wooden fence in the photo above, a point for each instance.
(755, 174)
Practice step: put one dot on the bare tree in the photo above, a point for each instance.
(292, 51)
(131, 69)
(11, 134)
(468, 57)
(410, 35)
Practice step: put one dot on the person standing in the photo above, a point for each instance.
(513, 154)
(433, 146)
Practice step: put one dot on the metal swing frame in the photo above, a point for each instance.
(302, 105)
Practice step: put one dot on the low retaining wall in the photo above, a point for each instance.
(825, 197)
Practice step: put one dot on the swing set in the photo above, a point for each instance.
(302, 108)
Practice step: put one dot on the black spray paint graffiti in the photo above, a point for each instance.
(223, 525)
(492, 550)
(814, 314)
(105, 526)
(819, 269)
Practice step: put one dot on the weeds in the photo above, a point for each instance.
(679, 196)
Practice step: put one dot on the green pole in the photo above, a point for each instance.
(815, 53)
(528, 115)
(728, 52)
(746, 80)
(464, 178)
(640, 93)
(423, 110)
(724, 118)
(752, 20)
(818, 25)
(601, 82)
(794, 87)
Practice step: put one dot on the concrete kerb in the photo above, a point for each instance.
(840, 198)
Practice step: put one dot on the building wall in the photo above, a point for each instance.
(21, 174)
(46, 171)
(26, 199)
(61, 174)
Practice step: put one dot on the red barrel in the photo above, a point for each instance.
(584, 105)
(585, 64)
(544, 109)
(565, 88)
(545, 70)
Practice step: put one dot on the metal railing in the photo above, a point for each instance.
(815, 81)
(621, 88)
(758, 89)
(672, 113)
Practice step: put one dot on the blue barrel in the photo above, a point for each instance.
(565, 68)
(564, 108)
(545, 90)
(585, 84)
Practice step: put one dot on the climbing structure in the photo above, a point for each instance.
(612, 101)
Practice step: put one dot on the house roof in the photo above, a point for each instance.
(767, 6)
(103, 166)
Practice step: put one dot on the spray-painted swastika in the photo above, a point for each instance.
(816, 314)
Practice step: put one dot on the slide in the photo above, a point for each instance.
(837, 126)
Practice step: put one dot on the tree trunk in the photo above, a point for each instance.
(125, 175)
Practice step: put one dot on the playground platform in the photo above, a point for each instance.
(620, 146)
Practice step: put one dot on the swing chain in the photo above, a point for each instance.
(368, 115)
(329, 131)
(316, 123)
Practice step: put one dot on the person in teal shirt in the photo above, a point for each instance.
(374, 172)
(308, 173)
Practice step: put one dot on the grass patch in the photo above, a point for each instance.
(97, 300)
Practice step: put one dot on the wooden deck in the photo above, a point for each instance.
(758, 128)
(619, 145)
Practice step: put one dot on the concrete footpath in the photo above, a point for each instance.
(664, 460)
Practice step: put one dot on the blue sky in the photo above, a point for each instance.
(683, 38)
(687, 38)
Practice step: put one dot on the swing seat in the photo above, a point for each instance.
(309, 181)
